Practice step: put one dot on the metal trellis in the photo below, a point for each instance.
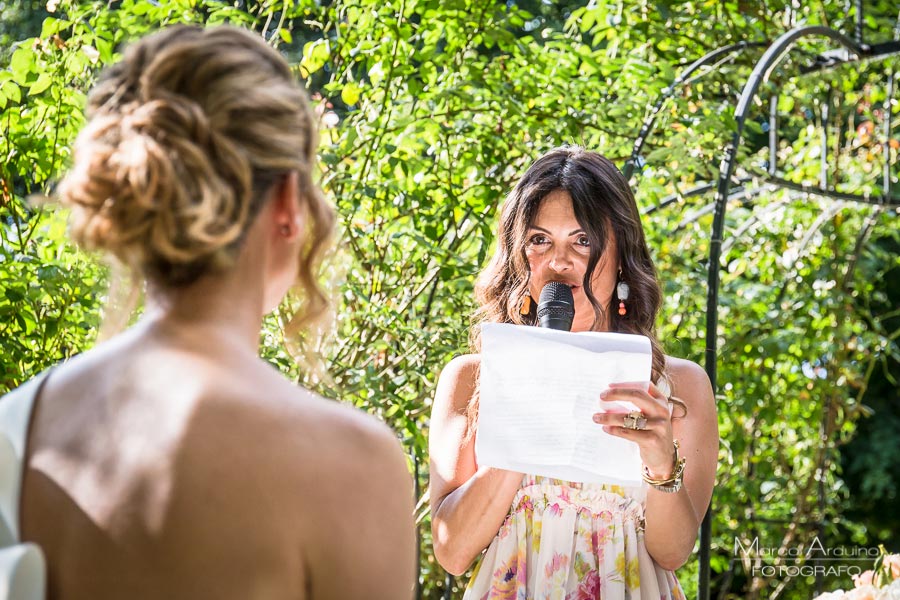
(853, 51)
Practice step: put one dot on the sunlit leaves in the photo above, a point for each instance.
(431, 110)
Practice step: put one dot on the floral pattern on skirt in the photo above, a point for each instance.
(572, 541)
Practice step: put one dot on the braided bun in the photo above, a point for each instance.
(185, 135)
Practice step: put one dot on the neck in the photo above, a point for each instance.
(212, 314)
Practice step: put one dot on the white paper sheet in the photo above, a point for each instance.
(539, 389)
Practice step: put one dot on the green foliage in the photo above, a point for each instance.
(431, 110)
(18, 20)
(874, 484)
(50, 294)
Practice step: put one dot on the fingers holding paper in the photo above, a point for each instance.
(650, 427)
(649, 400)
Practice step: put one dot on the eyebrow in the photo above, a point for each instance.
(571, 233)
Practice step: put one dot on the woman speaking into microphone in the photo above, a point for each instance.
(572, 219)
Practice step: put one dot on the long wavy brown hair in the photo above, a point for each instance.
(603, 204)
(185, 137)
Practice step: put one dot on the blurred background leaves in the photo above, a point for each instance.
(430, 110)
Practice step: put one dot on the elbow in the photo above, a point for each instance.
(671, 559)
(452, 562)
(451, 556)
(670, 555)
(672, 563)
(456, 569)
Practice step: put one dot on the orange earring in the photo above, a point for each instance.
(526, 305)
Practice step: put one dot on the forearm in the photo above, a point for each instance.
(467, 519)
(671, 527)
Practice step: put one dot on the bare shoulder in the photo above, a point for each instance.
(697, 431)
(340, 436)
(337, 417)
(690, 383)
(469, 362)
(303, 448)
(343, 482)
(456, 385)
(356, 443)
(358, 490)
(348, 459)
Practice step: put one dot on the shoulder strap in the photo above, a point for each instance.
(15, 418)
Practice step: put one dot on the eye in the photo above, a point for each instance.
(583, 241)
(538, 239)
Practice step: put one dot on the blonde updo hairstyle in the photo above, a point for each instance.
(185, 137)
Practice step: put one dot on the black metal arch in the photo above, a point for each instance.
(682, 79)
(770, 59)
(761, 71)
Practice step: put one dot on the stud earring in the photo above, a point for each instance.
(622, 292)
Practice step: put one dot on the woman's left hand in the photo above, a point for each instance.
(655, 438)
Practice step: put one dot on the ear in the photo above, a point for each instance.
(286, 210)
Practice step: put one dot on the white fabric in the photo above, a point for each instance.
(22, 568)
(22, 573)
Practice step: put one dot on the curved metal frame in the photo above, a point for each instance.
(763, 68)
(682, 79)
(760, 73)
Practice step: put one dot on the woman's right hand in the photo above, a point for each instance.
(468, 503)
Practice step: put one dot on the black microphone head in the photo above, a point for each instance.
(556, 308)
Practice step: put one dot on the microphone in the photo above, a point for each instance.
(556, 308)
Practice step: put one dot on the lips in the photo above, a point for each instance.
(571, 285)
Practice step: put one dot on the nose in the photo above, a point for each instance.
(560, 261)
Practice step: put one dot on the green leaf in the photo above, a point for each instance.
(105, 48)
(315, 55)
(51, 327)
(14, 295)
(51, 26)
(785, 103)
(44, 81)
(350, 93)
(22, 62)
(376, 73)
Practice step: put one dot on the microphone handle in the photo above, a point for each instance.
(558, 322)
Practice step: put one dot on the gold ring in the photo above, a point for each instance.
(635, 420)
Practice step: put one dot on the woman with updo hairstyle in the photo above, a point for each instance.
(171, 461)
(573, 219)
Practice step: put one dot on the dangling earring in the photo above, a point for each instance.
(622, 291)
(526, 305)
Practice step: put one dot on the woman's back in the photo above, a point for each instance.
(158, 470)
(170, 461)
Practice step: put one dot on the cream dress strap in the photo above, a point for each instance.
(22, 567)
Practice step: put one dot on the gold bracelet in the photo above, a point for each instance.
(672, 483)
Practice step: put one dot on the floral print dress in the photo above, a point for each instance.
(572, 541)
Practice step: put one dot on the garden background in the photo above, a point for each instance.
(430, 110)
